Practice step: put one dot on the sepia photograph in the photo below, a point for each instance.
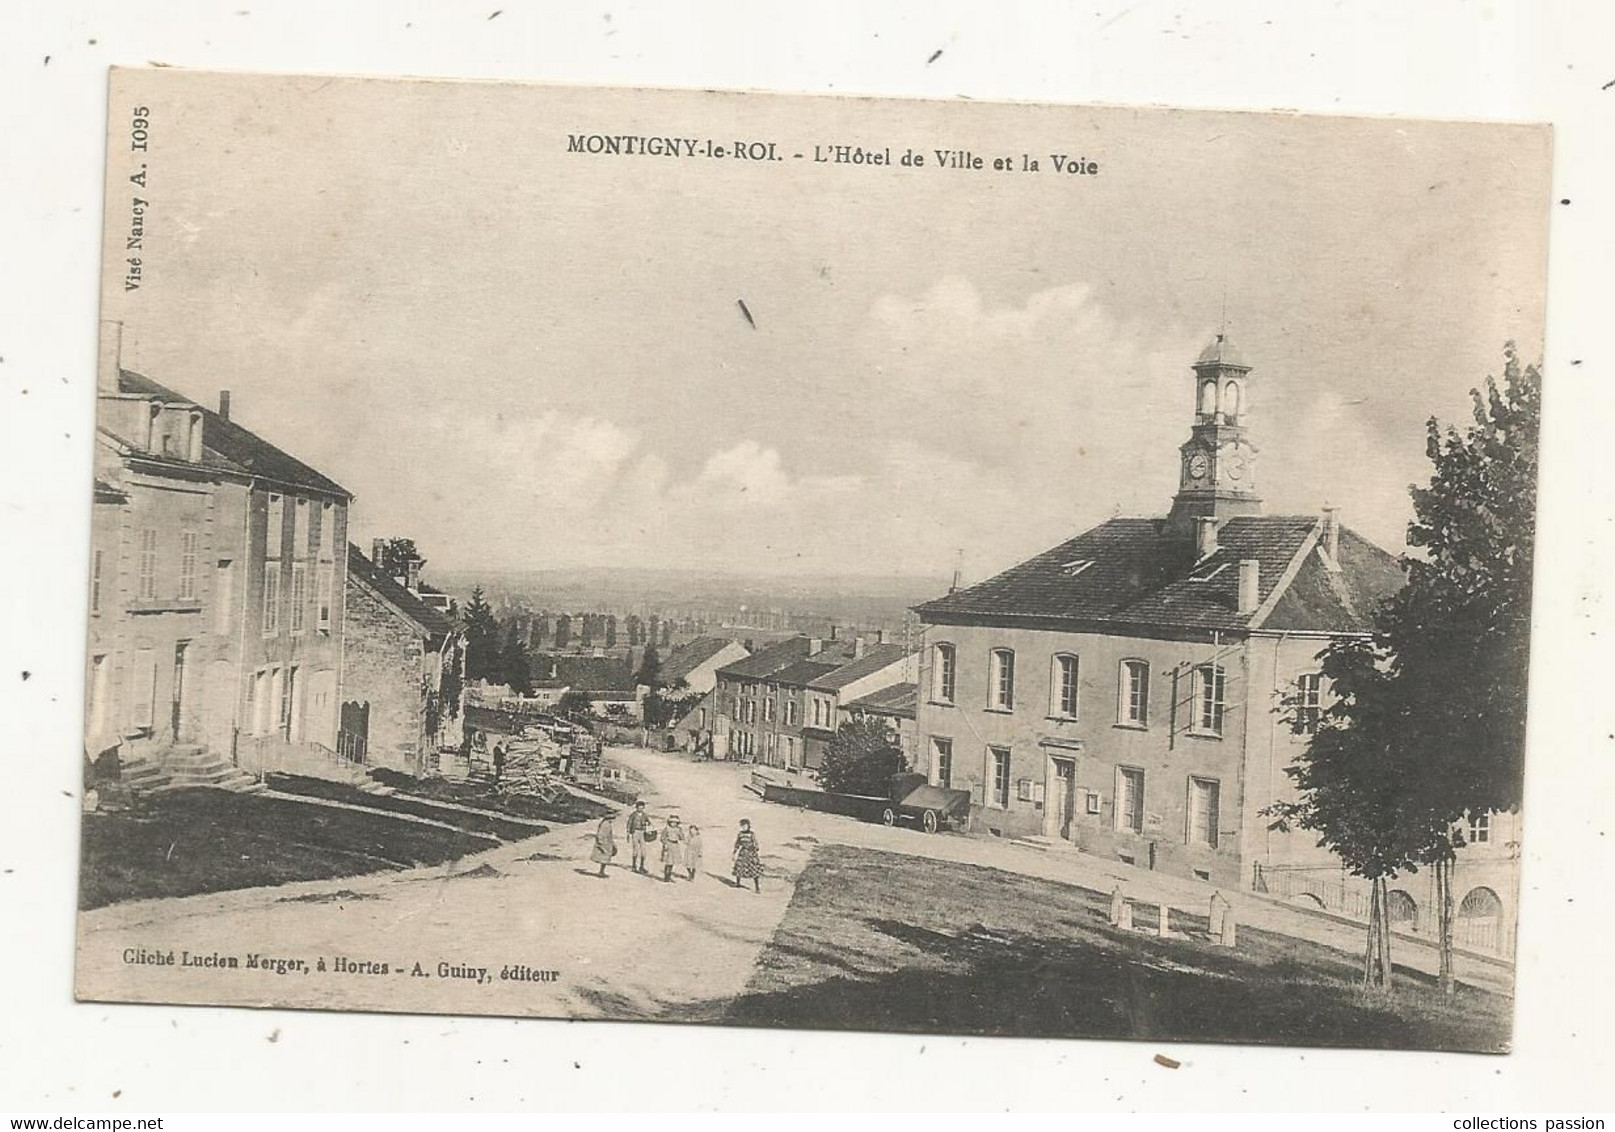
(811, 562)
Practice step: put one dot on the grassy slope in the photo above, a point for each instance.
(214, 841)
(882, 941)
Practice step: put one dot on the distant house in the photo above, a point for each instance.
(403, 674)
(696, 664)
(215, 629)
(607, 681)
(692, 731)
(781, 705)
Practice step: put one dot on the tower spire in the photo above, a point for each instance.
(1218, 461)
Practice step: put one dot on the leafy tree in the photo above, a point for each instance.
(563, 631)
(1430, 723)
(650, 669)
(664, 707)
(611, 631)
(588, 630)
(482, 660)
(396, 556)
(862, 757)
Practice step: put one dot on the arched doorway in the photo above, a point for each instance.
(1403, 911)
(1479, 920)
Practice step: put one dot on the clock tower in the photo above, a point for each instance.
(1217, 475)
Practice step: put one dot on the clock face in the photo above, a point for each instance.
(1198, 465)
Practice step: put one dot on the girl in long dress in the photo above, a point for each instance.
(672, 847)
(748, 858)
(692, 851)
(605, 844)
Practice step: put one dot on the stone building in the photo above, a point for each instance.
(403, 674)
(1138, 691)
(215, 623)
(781, 705)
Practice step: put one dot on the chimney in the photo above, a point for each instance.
(858, 647)
(833, 632)
(880, 636)
(110, 360)
(1330, 537)
(375, 550)
(224, 403)
(815, 646)
(413, 579)
(1205, 536)
(1250, 585)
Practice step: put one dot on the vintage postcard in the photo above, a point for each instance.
(811, 562)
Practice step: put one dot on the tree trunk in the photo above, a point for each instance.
(1444, 911)
(1377, 960)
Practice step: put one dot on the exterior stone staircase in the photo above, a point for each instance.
(186, 766)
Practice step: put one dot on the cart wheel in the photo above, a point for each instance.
(929, 821)
(888, 816)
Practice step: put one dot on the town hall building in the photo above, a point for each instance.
(1138, 691)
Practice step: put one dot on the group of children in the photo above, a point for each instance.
(680, 849)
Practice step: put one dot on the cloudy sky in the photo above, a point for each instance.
(524, 357)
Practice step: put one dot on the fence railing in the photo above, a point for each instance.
(1323, 888)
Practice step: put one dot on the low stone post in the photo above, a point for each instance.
(1161, 928)
(1229, 934)
(1125, 920)
(1219, 909)
(1117, 903)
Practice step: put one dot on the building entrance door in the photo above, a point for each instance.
(1063, 800)
(177, 715)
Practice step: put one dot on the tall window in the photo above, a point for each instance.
(299, 595)
(998, 760)
(322, 596)
(1134, 700)
(146, 564)
(327, 532)
(1308, 701)
(1203, 806)
(300, 536)
(1130, 799)
(271, 598)
(275, 528)
(95, 582)
(1002, 680)
(187, 564)
(792, 714)
(768, 709)
(943, 673)
(1480, 828)
(224, 587)
(1210, 684)
(1063, 687)
(942, 761)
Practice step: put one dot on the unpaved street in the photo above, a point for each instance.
(569, 943)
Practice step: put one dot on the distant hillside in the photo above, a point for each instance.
(873, 599)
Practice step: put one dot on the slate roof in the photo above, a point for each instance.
(1141, 575)
(874, 659)
(766, 661)
(899, 699)
(801, 673)
(583, 673)
(429, 619)
(229, 446)
(692, 655)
